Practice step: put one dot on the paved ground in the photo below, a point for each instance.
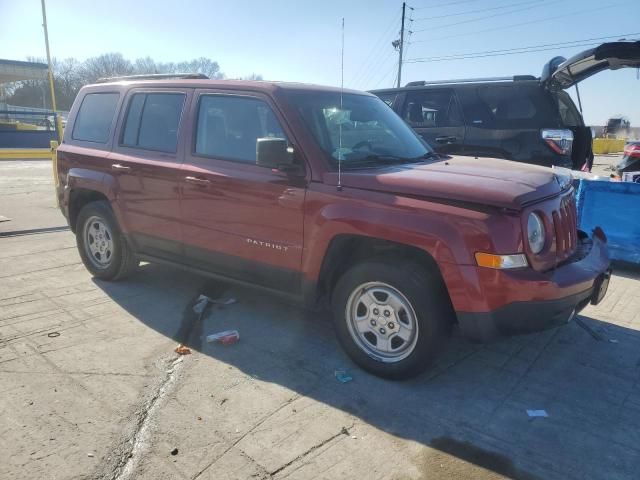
(90, 386)
(602, 164)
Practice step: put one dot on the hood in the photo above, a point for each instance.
(561, 73)
(480, 181)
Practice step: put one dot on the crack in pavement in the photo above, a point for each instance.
(130, 452)
(343, 431)
(248, 432)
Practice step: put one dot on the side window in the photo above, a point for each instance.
(152, 121)
(432, 108)
(388, 98)
(510, 106)
(568, 113)
(229, 127)
(93, 122)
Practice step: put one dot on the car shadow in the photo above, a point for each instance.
(471, 404)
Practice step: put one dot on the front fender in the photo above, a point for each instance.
(450, 234)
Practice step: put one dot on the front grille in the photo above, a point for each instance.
(565, 223)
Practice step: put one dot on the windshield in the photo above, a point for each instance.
(363, 132)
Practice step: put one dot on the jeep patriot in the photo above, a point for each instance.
(319, 194)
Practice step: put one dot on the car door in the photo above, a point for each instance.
(241, 220)
(146, 164)
(435, 115)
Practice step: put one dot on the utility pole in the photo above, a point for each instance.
(51, 87)
(401, 45)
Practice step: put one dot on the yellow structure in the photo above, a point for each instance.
(608, 145)
(31, 153)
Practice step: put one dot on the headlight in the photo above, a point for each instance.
(535, 233)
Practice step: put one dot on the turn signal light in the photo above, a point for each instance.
(491, 260)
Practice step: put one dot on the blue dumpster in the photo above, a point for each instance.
(614, 206)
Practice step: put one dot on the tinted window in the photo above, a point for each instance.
(152, 121)
(387, 98)
(509, 107)
(228, 127)
(432, 108)
(568, 112)
(95, 116)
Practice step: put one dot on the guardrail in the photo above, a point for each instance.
(28, 134)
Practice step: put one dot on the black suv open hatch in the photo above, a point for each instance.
(560, 73)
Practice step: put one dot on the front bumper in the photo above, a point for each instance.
(547, 300)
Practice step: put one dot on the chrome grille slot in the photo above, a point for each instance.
(566, 228)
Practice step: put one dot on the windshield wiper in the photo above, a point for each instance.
(429, 155)
(378, 159)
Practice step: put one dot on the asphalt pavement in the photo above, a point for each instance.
(90, 385)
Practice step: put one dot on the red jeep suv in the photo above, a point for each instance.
(316, 193)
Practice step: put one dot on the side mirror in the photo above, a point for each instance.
(273, 153)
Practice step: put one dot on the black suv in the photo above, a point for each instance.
(520, 118)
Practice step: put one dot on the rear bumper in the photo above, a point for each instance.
(548, 300)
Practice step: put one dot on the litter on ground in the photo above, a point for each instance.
(342, 375)
(228, 337)
(203, 301)
(537, 413)
(182, 350)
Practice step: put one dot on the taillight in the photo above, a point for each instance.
(632, 151)
(560, 141)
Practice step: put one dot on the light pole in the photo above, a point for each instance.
(53, 94)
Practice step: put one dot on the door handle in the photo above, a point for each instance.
(120, 168)
(446, 139)
(197, 181)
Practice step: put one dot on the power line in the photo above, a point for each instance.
(469, 57)
(445, 4)
(500, 14)
(515, 50)
(371, 70)
(480, 10)
(394, 68)
(502, 27)
(365, 65)
(498, 54)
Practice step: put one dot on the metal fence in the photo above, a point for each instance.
(23, 127)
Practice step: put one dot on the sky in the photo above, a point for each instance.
(301, 40)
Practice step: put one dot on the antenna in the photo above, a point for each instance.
(340, 125)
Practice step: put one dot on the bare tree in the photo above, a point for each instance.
(253, 76)
(70, 75)
(200, 65)
(105, 66)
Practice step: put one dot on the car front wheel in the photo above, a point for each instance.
(391, 317)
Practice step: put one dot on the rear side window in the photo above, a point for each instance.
(568, 112)
(152, 121)
(229, 127)
(388, 98)
(510, 107)
(94, 119)
(432, 108)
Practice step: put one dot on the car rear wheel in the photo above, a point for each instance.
(391, 317)
(102, 247)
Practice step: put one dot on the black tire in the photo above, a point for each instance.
(122, 260)
(427, 297)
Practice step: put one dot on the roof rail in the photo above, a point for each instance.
(515, 78)
(156, 76)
